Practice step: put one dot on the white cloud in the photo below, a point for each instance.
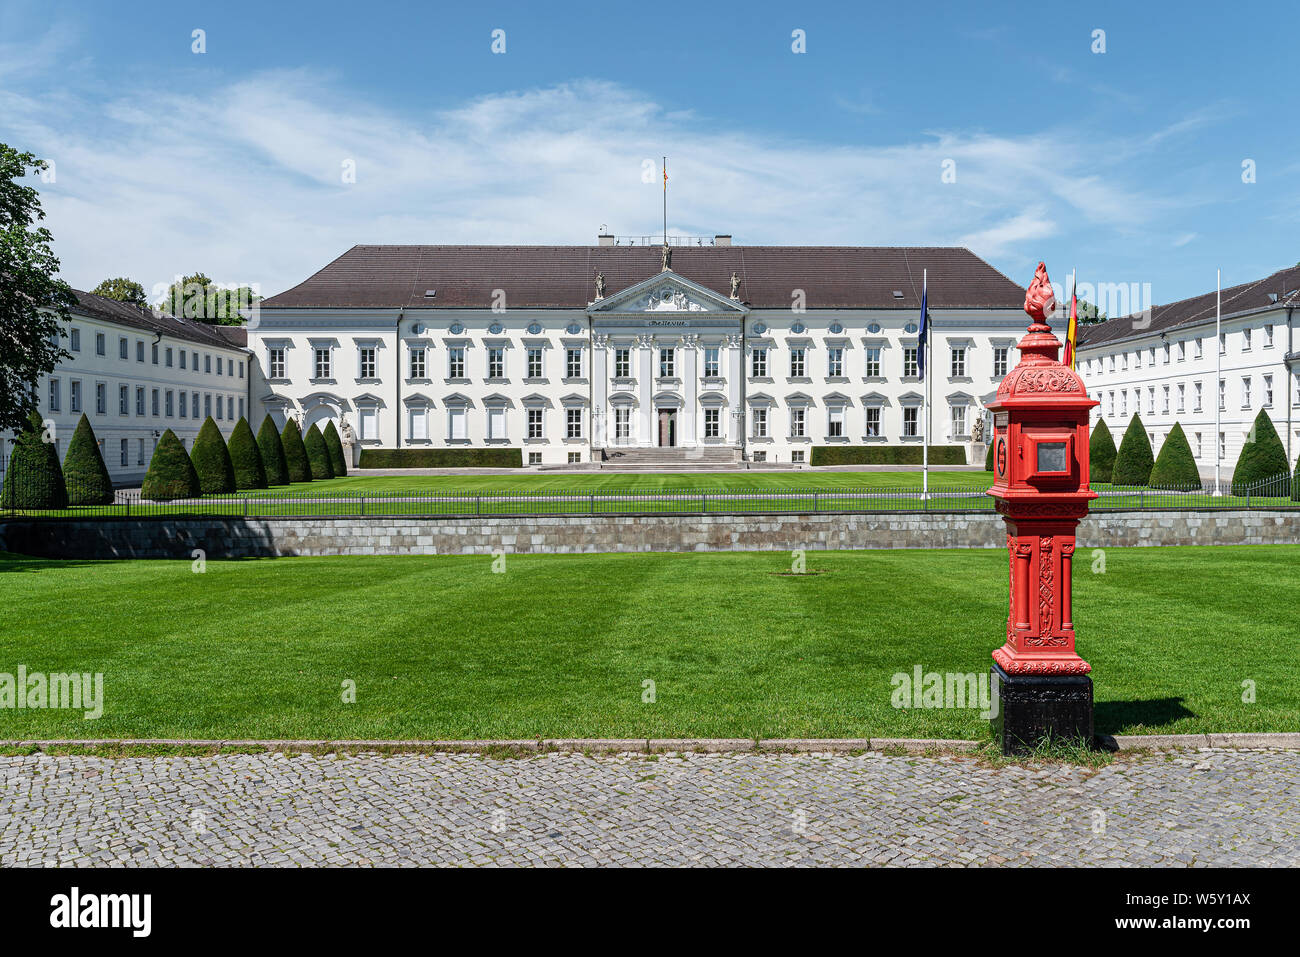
(246, 182)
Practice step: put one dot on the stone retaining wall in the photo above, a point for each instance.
(253, 537)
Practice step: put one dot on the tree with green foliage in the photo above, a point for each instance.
(123, 290)
(272, 449)
(198, 297)
(988, 459)
(318, 454)
(211, 460)
(1101, 453)
(246, 457)
(295, 453)
(171, 473)
(1134, 461)
(84, 472)
(1175, 465)
(335, 445)
(33, 303)
(34, 478)
(1262, 468)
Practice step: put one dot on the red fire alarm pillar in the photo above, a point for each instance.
(1040, 463)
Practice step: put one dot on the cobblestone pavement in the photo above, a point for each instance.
(1177, 808)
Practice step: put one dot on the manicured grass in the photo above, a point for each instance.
(562, 645)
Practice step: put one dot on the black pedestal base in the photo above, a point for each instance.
(1033, 708)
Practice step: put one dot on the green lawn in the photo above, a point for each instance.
(561, 645)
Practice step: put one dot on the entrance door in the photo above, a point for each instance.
(667, 427)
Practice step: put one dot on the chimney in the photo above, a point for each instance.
(605, 239)
(722, 240)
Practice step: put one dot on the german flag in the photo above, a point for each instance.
(1072, 331)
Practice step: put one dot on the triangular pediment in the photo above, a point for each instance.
(666, 292)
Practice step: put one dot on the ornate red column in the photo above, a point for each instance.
(1040, 462)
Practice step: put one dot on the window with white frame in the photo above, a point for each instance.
(798, 455)
(573, 363)
(124, 448)
(910, 367)
(622, 362)
(667, 363)
(1000, 354)
(958, 420)
(1123, 402)
(535, 423)
(835, 362)
(366, 362)
(1110, 404)
(573, 423)
(1268, 391)
(457, 423)
(711, 362)
(496, 422)
(139, 400)
(1198, 444)
(101, 344)
(418, 357)
(1197, 389)
(797, 362)
(194, 405)
(873, 362)
(1223, 445)
(712, 423)
(759, 418)
(496, 368)
(958, 361)
(534, 458)
(456, 362)
(419, 416)
(1164, 400)
(835, 422)
(797, 421)
(274, 362)
(1123, 361)
(153, 353)
(911, 418)
(74, 395)
(169, 403)
(1223, 394)
(167, 357)
(623, 422)
(1268, 336)
(321, 362)
(1182, 396)
(101, 399)
(1112, 363)
(123, 400)
(1182, 351)
(873, 421)
(1223, 343)
(1198, 348)
(230, 407)
(55, 395)
(534, 362)
(369, 419)
(139, 451)
(1245, 392)
(182, 402)
(1245, 340)
(758, 363)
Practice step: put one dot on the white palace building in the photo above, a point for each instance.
(579, 353)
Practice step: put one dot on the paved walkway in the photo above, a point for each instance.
(1177, 808)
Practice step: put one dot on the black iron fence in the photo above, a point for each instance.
(317, 500)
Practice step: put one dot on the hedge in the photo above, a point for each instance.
(317, 454)
(1175, 466)
(441, 458)
(1134, 461)
(335, 446)
(1262, 457)
(988, 459)
(171, 473)
(1101, 452)
(295, 453)
(272, 449)
(34, 478)
(84, 473)
(211, 460)
(886, 455)
(246, 457)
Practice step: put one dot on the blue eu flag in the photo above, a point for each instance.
(921, 336)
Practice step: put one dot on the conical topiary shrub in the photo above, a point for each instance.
(272, 449)
(84, 472)
(1175, 466)
(1295, 482)
(246, 458)
(335, 445)
(1134, 461)
(34, 479)
(988, 459)
(1262, 459)
(295, 454)
(1101, 453)
(211, 460)
(317, 454)
(171, 473)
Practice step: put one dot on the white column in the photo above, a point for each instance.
(691, 390)
(646, 434)
(734, 427)
(601, 417)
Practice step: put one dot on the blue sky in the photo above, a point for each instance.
(1126, 164)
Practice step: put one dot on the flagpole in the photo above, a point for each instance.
(925, 399)
(1218, 373)
(665, 200)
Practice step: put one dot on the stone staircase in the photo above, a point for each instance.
(712, 459)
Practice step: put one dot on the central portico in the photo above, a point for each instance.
(667, 366)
